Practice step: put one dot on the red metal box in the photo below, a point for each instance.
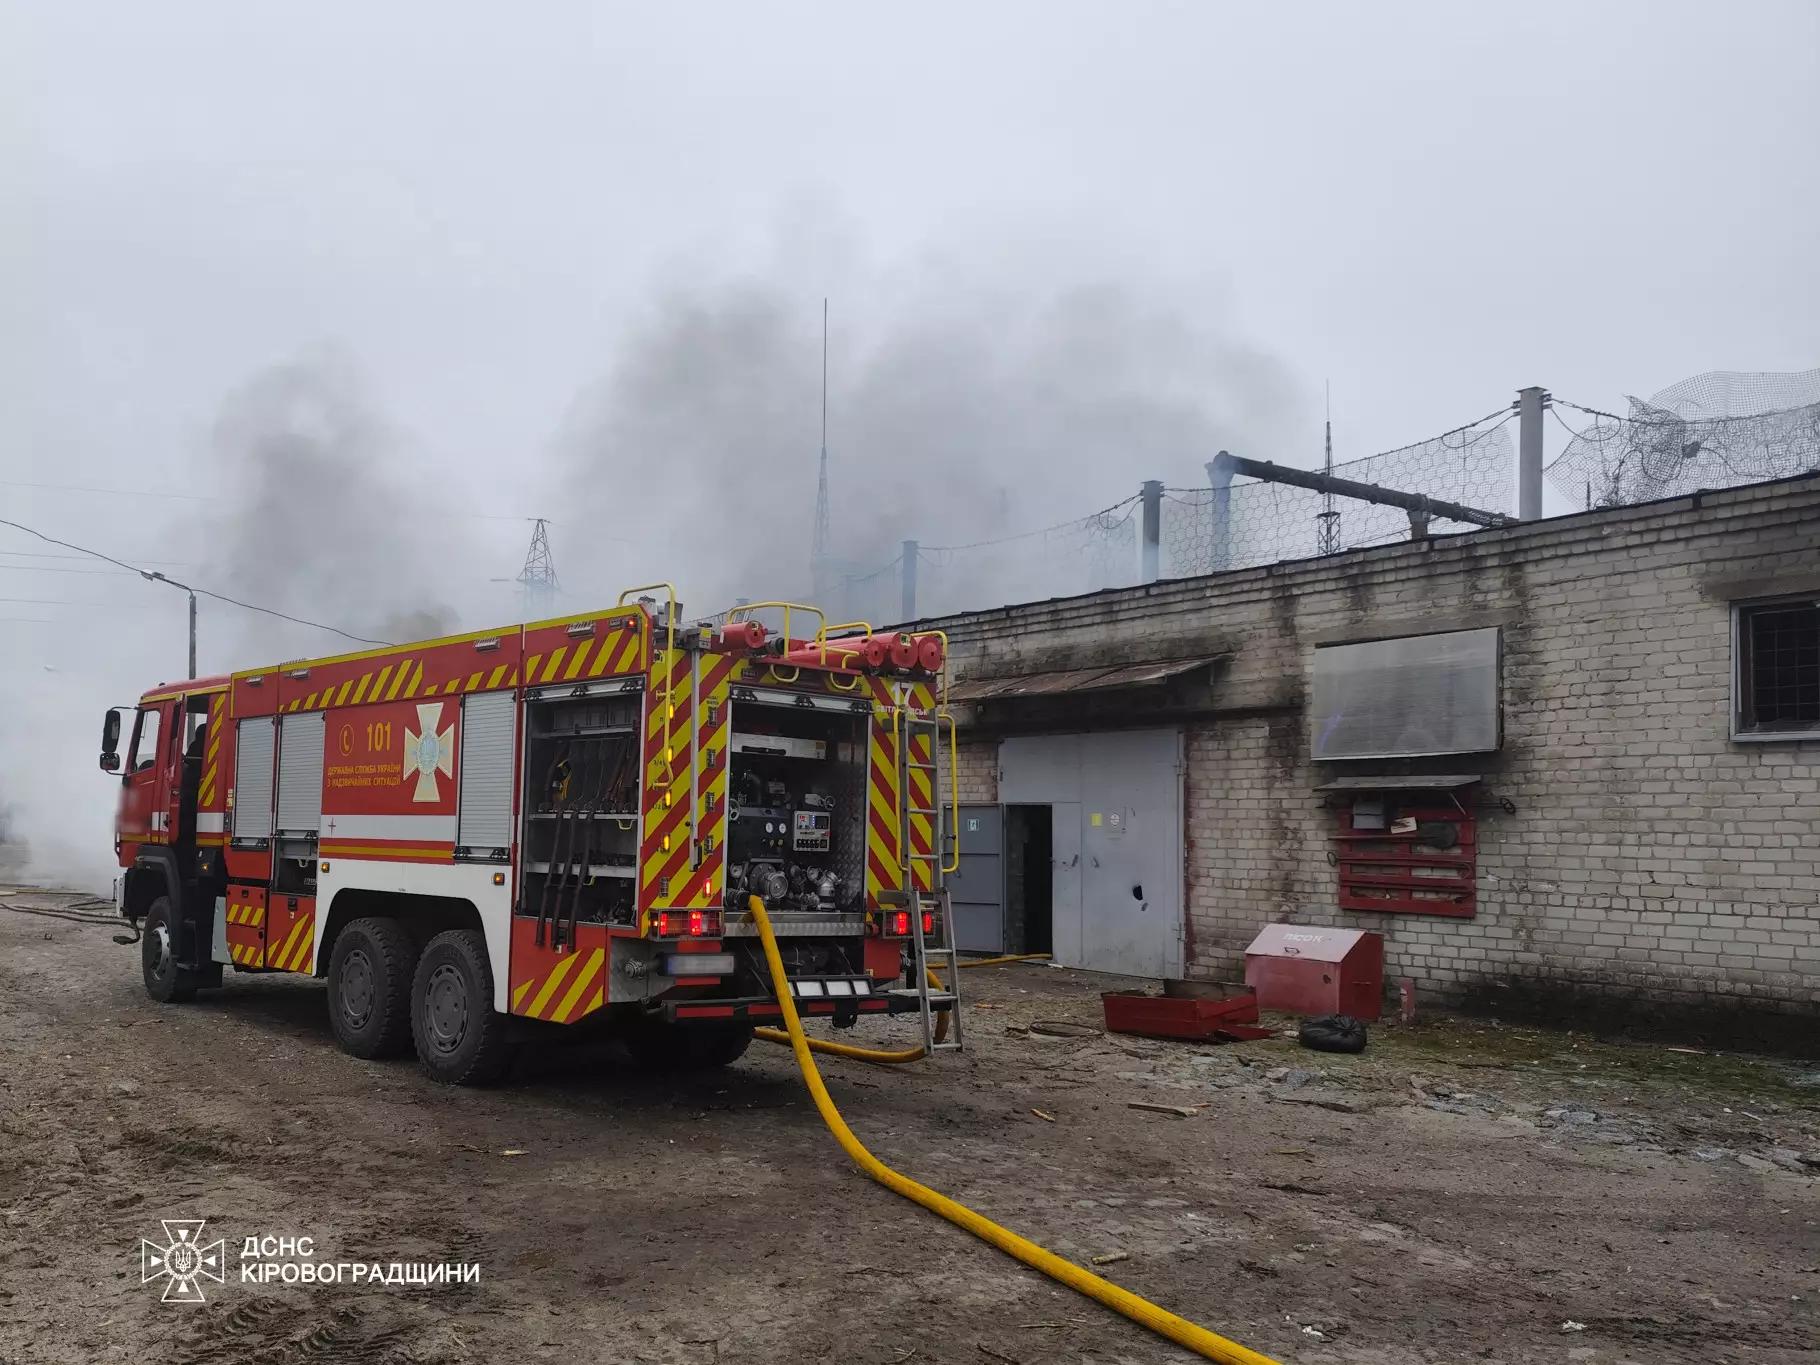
(1193, 1017)
(1315, 969)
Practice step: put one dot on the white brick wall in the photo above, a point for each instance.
(1649, 854)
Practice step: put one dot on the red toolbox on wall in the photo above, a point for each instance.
(1315, 969)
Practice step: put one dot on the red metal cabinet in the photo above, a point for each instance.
(1314, 969)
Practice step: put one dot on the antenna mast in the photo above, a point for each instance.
(818, 555)
(1327, 534)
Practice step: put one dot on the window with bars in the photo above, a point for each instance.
(1776, 652)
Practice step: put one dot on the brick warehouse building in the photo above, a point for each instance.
(1569, 765)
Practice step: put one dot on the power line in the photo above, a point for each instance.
(112, 492)
(1042, 531)
(86, 573)
(152, 577)
(44, 554)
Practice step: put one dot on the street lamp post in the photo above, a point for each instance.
(153, 576)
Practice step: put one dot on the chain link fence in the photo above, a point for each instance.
(1084, 555)
(1712, 431)
(1200, 530)
(1266, 522)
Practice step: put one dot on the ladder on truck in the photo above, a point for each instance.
(935, 952)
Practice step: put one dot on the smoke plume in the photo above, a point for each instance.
(966, 412)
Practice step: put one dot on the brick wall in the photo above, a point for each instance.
(1650, 857)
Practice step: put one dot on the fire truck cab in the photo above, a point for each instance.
(481, 839)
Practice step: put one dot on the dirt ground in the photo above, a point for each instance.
(1461, 1192)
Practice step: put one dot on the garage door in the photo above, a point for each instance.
(1121, 791)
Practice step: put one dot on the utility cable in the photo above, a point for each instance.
(152, 576)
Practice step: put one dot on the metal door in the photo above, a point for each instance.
(1117, 797)
(976, 890)
(1131, 852)
(1065, 886)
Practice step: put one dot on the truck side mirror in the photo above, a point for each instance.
(110, 742)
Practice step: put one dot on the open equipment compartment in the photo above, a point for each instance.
(796, 816)
(581, 800)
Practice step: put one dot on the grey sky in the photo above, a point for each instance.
(493, 215)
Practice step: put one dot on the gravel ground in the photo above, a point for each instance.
(1460, 1192)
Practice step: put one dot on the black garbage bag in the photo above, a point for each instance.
(1333, 1033)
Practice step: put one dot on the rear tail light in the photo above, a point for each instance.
(897, 923)
(692, 923)
(928, 921)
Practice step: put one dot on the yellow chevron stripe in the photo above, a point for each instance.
(473, 682)
(581, 657)
(549, 672)
(280, 960)
(379, 683)
(531, 668)
(342, 696)
(429, 691)
(360, 689)
(518, 992)
(580, 987)
(550, 984)
(498, 675)
(399, 676)
(410, 688)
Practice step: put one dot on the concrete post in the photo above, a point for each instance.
(1219, 474)
(1531, 403)
(907, 579)
(1152, 494)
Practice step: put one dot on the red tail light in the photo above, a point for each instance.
(693, 923)
(928, 921)
(900, 923)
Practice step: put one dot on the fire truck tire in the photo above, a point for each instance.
(165, 981)
(657, 1046)
(460, 1040)
(370, 988)
(718, 1045)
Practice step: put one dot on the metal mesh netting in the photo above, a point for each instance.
(1270, 521)
(1084, 555)
(1265, 522)
(1715, 430)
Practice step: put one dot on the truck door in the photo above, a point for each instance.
(148, 788)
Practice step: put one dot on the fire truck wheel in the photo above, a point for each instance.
(657, 1046)
(460, 1040)
(719, 1045)
(165, 981)
(370, 988)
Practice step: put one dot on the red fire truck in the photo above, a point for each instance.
(477, 839)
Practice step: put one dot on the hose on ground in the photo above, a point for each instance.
(878, 1056)
(1196, 1338)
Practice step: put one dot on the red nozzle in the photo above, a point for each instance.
(741, 635)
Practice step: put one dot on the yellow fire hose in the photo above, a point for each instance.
(863, 1054)
(1141, 1311)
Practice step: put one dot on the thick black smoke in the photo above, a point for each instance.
(964, 415)
(321, 514)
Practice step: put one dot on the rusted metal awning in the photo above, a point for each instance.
(1058, 681)
(1401, 782)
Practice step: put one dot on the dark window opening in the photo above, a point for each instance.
(1779, 668)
